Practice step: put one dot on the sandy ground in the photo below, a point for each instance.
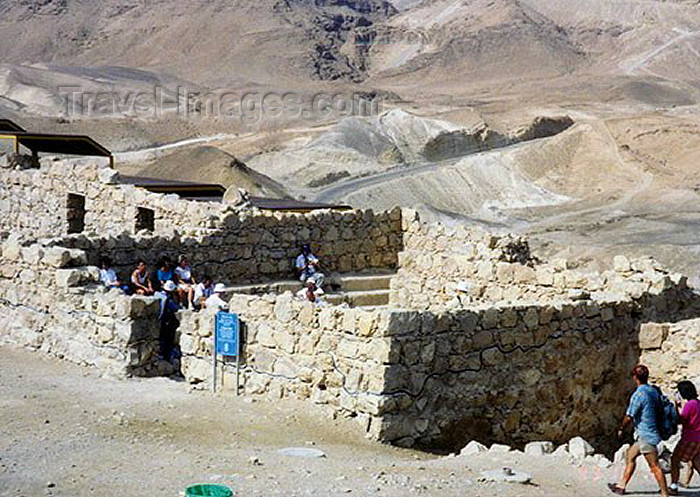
(65, 431)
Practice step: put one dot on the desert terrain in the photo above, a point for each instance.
(455, 85)
(575, 123)
(68, 432)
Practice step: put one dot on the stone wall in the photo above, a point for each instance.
(500, 269)
(518, 373)
(334, 356)
(36, 202)
(49, 300)
(670, 351)
(234, 246)
(437, 379)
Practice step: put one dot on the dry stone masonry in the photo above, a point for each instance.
(480, 340)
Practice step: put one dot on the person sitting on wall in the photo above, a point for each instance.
(215, 301)
(140, 281)
(203, 290)
(168, 320)
(311, 293)
(307, 267)
(186, 281)
(108, 276)
(165, 271)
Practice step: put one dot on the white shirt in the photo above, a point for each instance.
(201, 291)
(184, 273)
(216, 302)
(108, 277)
(311, 259)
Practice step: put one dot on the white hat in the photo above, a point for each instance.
(169, 286)
(219, 287)
(463, 286)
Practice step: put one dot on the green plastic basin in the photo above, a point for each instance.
(208, 491)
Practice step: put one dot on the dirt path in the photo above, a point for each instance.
(67, 432)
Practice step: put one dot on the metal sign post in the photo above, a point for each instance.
(226, 342)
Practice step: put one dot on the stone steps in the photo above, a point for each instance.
(358, 283)
(356, 290)
(359, 299)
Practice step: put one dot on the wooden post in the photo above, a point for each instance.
(16, 146)
(111, 161)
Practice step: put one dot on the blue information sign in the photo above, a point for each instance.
(227, 334)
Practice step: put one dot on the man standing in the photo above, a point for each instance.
(307, 266)
(645, 405)
(168, 320)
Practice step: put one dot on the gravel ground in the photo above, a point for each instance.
(65, 431)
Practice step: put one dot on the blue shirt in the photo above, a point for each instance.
(165, 275)
(643, 408)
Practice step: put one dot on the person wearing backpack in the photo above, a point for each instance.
(688, 448)
(645, 411)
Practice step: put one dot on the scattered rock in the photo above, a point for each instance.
(539, 448)
(499, 449)
(301, 452)
(473, 448)
(506, 475)
(579, 448)
(254, 461)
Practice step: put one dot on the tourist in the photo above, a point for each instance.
(203, 290)
(186, 281)
(165, 271)
(215, 301)
(307, 267)
(643, 408)
(140, 281)
(688, 448)
(311, 293)
(108, 276)
(168, 320)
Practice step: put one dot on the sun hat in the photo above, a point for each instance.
(463, 286)
(169, 286)
(219, 287)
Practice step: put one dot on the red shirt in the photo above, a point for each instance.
(690, 418)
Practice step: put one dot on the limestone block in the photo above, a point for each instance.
(348, 348)
(285, 341)
(32, 254)
(531, 319)
(652, 335)
(58, 257)
(266, 335)
(284, 310)
(621, 264)
(306, 314)
(66, 278)
(195, 370)
(473, 448)
(365, 323)
(579, 448)
(539, 448)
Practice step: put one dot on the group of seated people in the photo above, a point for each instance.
(178, 283)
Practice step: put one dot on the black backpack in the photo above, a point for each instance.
(667, 419)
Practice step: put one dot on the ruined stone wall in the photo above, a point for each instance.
(36, 203)
(670, 351)
(501, 373)
(332, 356)
(49, 300)
(262, 247)
(233, 246)
(500, 269)
(515, 373)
